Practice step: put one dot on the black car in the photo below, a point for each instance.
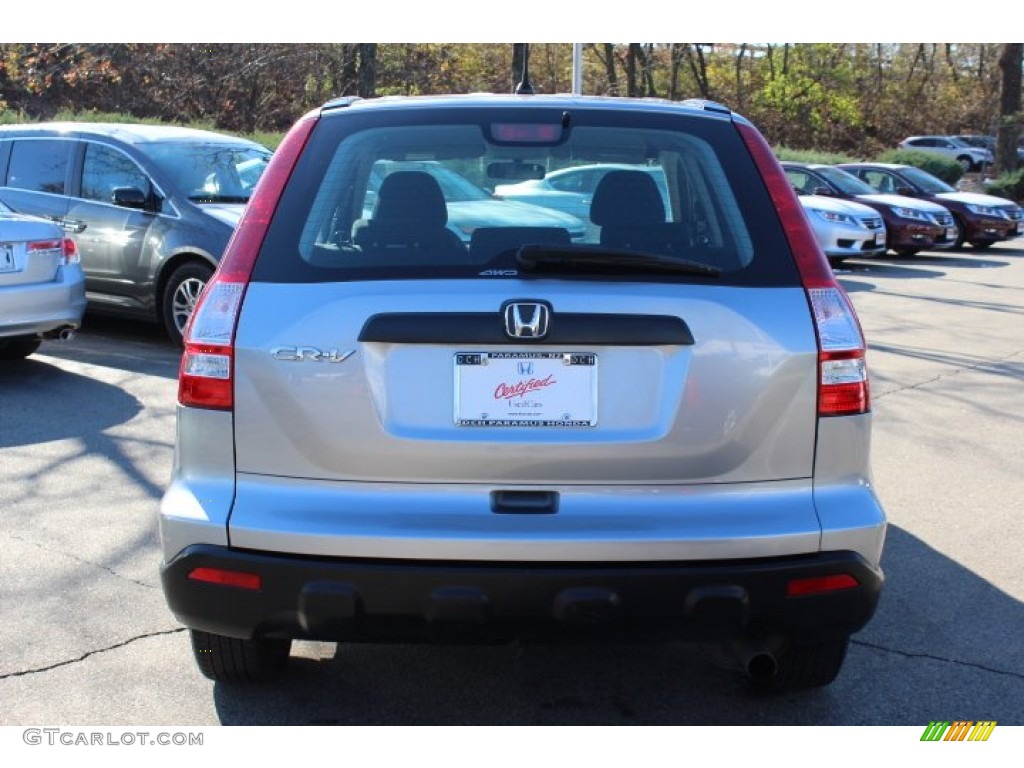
(981, 219)
(150, 207)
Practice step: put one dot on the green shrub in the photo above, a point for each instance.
(1009, 185)
(813, 156)
(945, 168)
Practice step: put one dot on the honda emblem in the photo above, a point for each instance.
(527, 320)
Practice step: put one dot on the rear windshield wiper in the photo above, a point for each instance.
(594, 258)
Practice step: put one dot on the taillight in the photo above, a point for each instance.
(65, 248)
(842, 371)
(206, 379)
(70, 251)
(36, 247)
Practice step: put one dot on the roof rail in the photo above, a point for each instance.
(341, 102)
(707, 106)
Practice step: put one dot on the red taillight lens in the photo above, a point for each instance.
(842, 371)
(35, 246)
(206, 379)
(817, 585)
(227, 578)
(70, 251)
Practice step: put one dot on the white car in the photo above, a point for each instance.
(42, 288)
(571, 190)
(844, 228)
(970, 158)
(471, 207)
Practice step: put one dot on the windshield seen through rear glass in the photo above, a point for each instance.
(211, 172)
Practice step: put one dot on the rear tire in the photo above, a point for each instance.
(982, 245)
(806, 666)
(181, 292)
(230, 660)
(906, 252)
(18, 347)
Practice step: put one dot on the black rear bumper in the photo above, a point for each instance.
(380, 600)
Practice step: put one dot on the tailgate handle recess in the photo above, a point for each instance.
(524, 502)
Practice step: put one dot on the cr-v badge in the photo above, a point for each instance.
(300, 354)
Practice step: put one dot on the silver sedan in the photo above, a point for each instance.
(42, 288)
(844, 228)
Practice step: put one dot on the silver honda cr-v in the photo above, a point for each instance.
(386, 431)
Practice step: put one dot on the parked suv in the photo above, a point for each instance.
(151, 207)
(386, 433)
(971, 158)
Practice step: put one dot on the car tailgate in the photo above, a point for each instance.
(313, 401)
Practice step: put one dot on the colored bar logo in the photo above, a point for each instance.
(960, 730)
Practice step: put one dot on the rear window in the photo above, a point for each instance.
(456, 192)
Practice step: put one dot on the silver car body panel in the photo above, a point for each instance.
(38, 292)
(385, 414)
(196, 506)
(361, 458)
(455, 522)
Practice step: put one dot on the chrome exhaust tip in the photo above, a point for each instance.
(67, 333)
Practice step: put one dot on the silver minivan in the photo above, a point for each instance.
(388, 433)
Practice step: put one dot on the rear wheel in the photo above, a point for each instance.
(806, 666)
(18, 347)
(906, 251)
(230, 660)
(981, 245)
(966, 163)
(181, 293)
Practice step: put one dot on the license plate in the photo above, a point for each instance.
(951, 233)
(1020, 229)
(7, 258)
(525, 389)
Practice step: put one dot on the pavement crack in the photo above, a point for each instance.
(955, 372)
(87, 654)
(82, 560)
(958, 662)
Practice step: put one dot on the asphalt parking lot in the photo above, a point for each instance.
(86, 439)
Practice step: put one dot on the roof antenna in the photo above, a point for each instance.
(525, 88)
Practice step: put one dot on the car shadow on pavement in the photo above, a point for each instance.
(938, 648)
(42, 402)
(849, 274)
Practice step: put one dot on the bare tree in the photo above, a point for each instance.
(1010, 62)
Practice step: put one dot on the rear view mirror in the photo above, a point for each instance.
(906, 191)
(515, 171)
(823, 191)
